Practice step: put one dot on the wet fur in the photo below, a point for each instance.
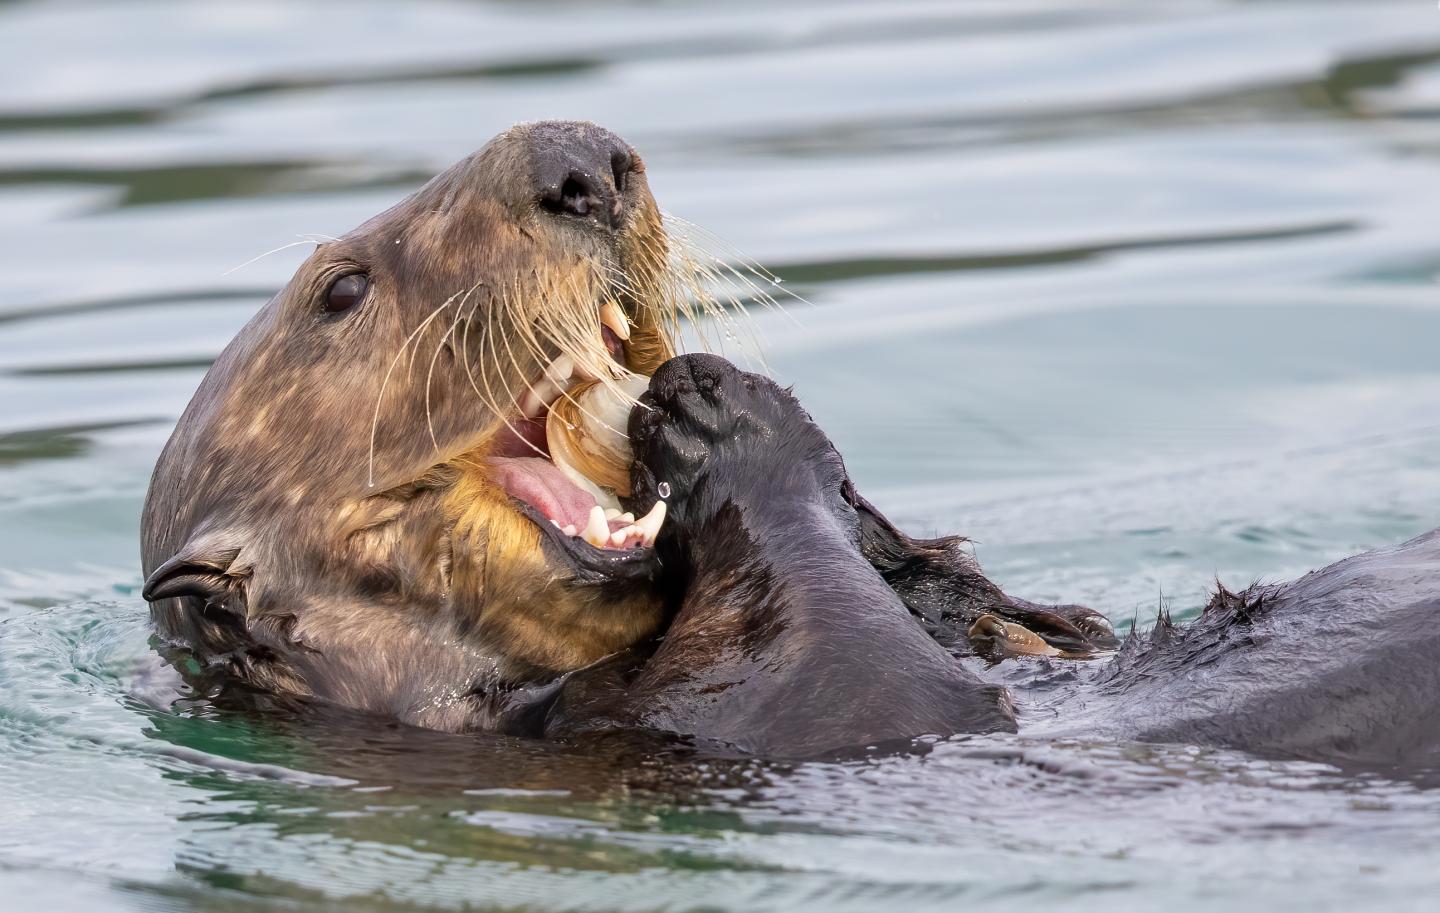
(787, 640)
(321, 523)
(1341, 665)
(792, 636)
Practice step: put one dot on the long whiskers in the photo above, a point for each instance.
(385, 383)
(670, 284)
(304, 239)
(751, 267)
(430, 371)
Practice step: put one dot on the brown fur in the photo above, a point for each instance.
(536, 620)
(322, 523)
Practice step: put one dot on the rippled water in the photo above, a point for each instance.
(1134, 293)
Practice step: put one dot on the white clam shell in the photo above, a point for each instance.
(586, 431)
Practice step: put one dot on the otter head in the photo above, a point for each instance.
(358, 501)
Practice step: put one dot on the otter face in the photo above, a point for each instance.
(375, 436)
(417, 336)
(713, 435)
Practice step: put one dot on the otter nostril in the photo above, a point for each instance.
(620, 169)
(576, 196)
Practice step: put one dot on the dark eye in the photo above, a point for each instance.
(346, 292)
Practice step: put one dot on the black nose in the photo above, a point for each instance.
(580, 170)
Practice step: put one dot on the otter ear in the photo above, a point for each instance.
(204, 568)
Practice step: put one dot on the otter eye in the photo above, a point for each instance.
(346, 292)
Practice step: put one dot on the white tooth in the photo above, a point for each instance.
(650, 524)
(569, 529)
(554, 381)
(597, 531)
(618, 537)
(613, 317)
(614, 513)
(584, 373)
(626, 517)
(561, 370)
(555, 523)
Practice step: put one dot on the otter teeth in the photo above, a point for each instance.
(613, 317)
(597, 527)
(597, 531)
(619, 537)
(649, 525)
(554, 381)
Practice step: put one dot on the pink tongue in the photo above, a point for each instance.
(537, 482)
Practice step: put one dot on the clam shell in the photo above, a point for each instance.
(586, 431)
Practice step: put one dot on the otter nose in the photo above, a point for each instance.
(581, 170)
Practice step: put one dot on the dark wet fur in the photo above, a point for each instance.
(943, 586)
(793, 632)
(1341, 665)
(792, 636)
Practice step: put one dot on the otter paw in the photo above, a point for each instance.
(996, 639)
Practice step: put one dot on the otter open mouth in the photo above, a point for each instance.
(540, 472)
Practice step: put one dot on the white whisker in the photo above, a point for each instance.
(304, 239)
(385, 383)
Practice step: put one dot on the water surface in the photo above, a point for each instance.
(1135, 294)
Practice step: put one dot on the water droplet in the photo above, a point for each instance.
(663, 490)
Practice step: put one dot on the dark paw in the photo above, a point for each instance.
(995, 639)
(1024, 628)
(699, 396)
(700, 409)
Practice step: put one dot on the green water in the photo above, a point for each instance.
(1133, 293)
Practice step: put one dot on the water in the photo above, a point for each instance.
(1134, 293)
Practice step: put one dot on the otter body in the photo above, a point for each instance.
(1341, 665)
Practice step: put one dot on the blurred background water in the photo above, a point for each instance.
(1134, 293)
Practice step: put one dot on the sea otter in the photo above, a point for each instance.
(359, 504)
(348, 507)
(792, 638)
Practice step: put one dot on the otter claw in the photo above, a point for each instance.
(1011, 638)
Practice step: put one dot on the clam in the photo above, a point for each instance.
(586, 431)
